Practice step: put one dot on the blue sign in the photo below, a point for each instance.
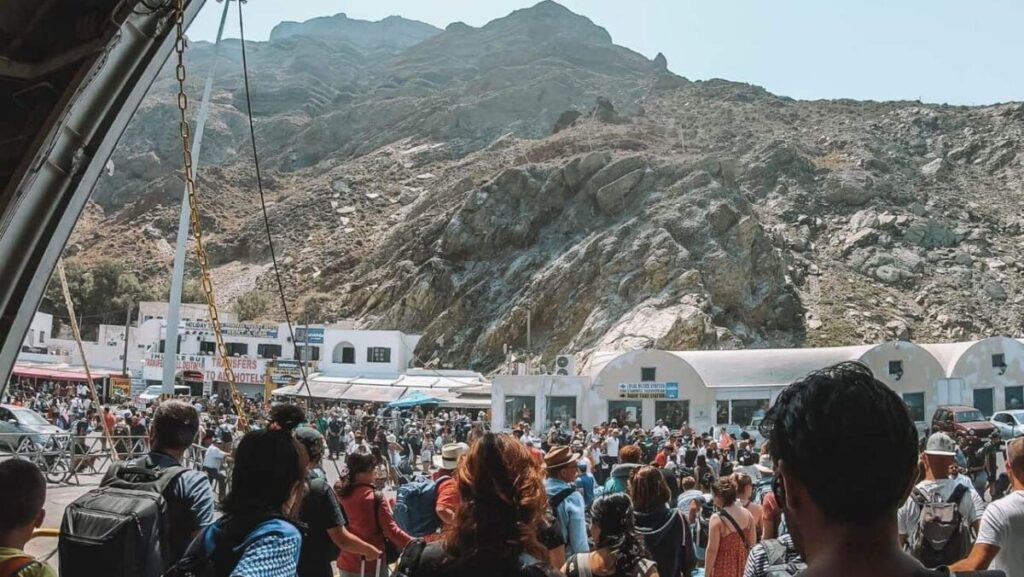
(315, 335)
(648, 390)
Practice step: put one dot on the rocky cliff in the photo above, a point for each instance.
(451, 181)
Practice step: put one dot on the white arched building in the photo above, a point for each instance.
(986, 374)
(708, 388)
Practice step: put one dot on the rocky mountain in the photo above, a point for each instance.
(448, 182)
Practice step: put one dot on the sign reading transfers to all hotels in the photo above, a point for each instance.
(648, 390)
(256, 330)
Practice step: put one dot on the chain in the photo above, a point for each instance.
(196, 228)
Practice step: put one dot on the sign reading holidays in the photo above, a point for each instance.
(648, 390)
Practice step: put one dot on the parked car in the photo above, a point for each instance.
(153, 392)
(1010, 424)
(18, 423)
(961, 419)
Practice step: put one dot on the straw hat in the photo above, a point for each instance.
(558, 457)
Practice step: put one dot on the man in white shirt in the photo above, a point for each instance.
(660, 431)
(212, 462)
(937, 486)
(1000, 543)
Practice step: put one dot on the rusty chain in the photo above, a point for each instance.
(195, 227)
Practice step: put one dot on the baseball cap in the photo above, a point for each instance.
(940, 444)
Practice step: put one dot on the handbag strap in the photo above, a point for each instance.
(736, 526)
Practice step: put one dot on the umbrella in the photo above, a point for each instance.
(414, 399)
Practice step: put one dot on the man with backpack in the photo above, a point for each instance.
(565, 501)
(123, 526)
(424, 507)
(936, 521)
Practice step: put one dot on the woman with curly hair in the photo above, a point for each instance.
(618, 550)
(494, 532)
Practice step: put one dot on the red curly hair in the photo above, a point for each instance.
(502, 501)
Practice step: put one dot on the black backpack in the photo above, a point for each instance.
(552, 534)
(123, 526)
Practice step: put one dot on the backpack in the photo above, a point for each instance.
(552, 533)
(218, 549)
(421, 559)
(727, 468)
(702, 527)
(414, 507)
(775, 560)
(941, 536)
(761, 488)
(123, 526)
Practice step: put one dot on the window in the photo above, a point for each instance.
(1014, 398)
(268, 351)
(998, 361)
(378, 355)
(307, 353)
(164, 342)
(674, 413)
(915, 403)
(519, 409)
(1002, 418)
(344, 353)
(740, 412)
(896, 368)
(983, 401)
(237, 349)
(42, 337)
(648, 375)
(626, 412)
(560, 409)
(207, 348)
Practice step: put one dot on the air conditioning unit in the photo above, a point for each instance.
(565, 365)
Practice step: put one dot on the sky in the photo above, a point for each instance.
(943, 51)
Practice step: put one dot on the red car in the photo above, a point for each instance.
(959, 419)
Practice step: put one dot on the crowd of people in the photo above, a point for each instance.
(809, 497)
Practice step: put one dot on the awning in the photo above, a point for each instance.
(55, 374)
(317, 390)
(372, 394)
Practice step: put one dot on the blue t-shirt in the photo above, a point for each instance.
(586, 482)
(191, 492)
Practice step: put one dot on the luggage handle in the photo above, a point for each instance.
(380, 561)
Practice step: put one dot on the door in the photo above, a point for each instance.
(950, 391)
(1004, 424)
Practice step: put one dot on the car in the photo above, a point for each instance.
(18, 424)
(153, 393)
(961, 420)
(1010, 424)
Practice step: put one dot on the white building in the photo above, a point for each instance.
(986, 374)
(35, 346)
(706, 388)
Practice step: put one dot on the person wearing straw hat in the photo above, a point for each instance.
(448, 499)
(565, 501)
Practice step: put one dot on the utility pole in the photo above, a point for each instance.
(529, 341)
(127, 323)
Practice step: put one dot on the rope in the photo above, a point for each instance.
(266, 218)
(81, 350)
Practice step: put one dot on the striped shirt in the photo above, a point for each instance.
(760, 557)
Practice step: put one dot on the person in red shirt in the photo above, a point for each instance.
(448, 500)
(369, 516)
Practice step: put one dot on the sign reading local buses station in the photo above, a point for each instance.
(648, 390)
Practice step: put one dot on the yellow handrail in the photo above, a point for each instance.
(46, 532)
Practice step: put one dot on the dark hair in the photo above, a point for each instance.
(175, 425)
(649, 490)
(25, 487)
(356, 463)
(726, 489)
(613, 514)
(287, 416)
(503, 502)
(809, 429)
(267, 466)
